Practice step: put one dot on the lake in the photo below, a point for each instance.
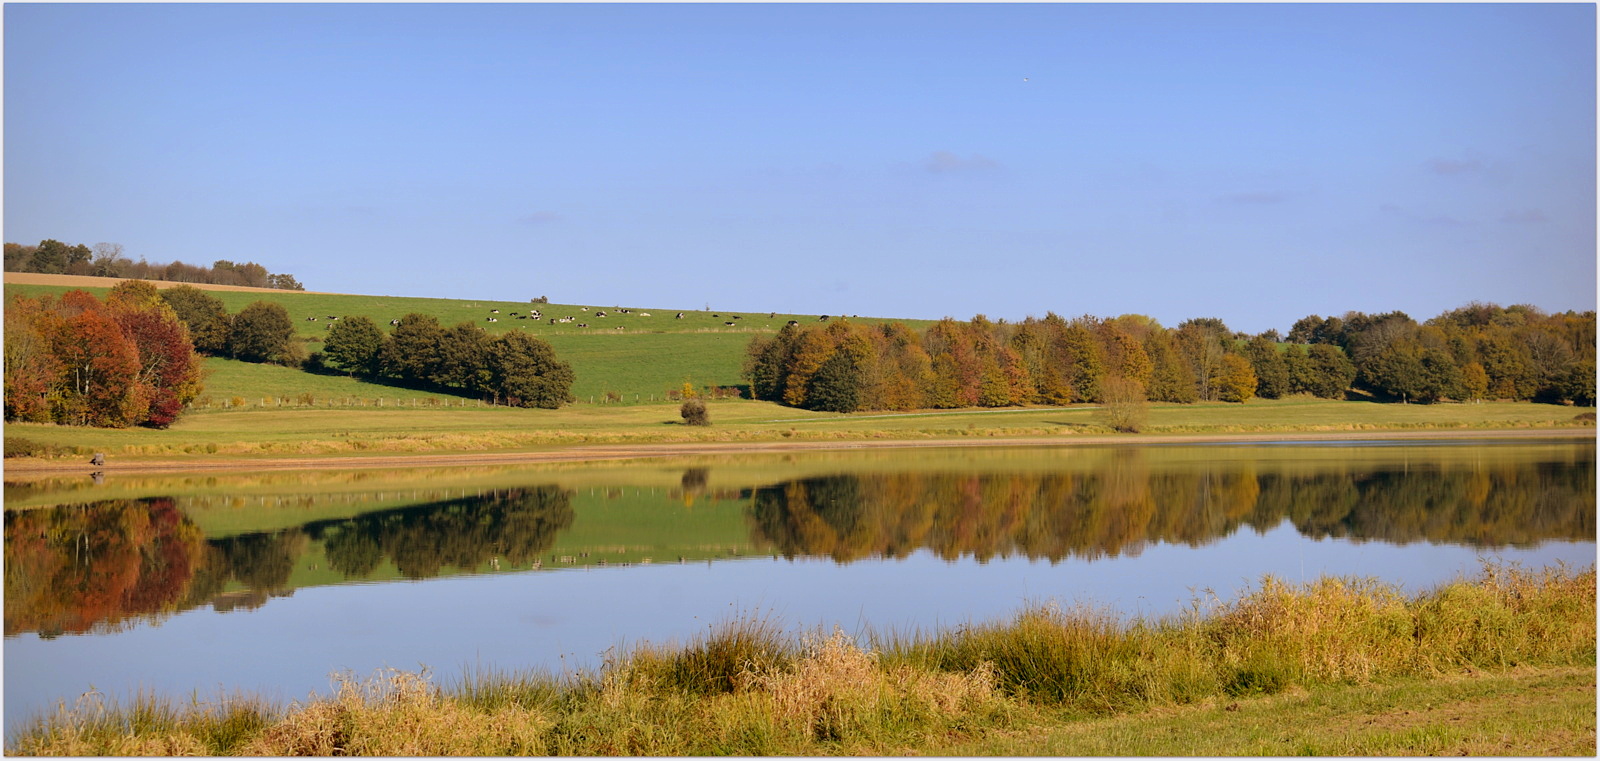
(268, 583)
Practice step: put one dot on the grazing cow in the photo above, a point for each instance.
(583, 324)
(599, 314)
(333, 317)
(624, 311)
(737, 317)
(728, 323)
(394, 322)
(621, 327)
(772, 315)
(794, 323)
(584, 308)
(679, 317)
(494, 311)
(644, 314)
(492, 319)
(823, 318)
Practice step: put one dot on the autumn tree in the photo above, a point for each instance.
(1235, 381)
(169, 370)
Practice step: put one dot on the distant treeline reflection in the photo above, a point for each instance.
(1119, 510)
(100, 566)
(81, 568)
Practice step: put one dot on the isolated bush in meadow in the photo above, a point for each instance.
(694, 412)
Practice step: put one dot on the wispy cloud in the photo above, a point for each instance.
(1523, 217)
(942, 162)
(540, 218)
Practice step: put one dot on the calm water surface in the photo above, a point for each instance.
(269, 583)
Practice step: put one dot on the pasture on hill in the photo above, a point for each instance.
(637, 355)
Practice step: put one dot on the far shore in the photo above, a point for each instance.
(38, 468)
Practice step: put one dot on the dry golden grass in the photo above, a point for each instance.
(745, 691)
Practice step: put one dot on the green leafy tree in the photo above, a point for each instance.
(354, 345)
(1272, 372)
(1579, 384)
(412, 352)
(524, 372)
(767, 363)
(1331, 371)
(51, 257)
(1084, 360)
(262, 332)
(205, 316)
(837, 384)
(463, 360)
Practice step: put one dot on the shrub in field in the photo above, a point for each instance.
(1123, 405)
(694, 412)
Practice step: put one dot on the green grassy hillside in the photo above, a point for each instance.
(637, 357)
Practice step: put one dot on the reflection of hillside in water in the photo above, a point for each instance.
(1119, 510)
(101, 566)
(81, 568)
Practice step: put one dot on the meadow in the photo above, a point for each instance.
(625, 379)
(1500, 664)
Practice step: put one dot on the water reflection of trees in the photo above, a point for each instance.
(81, 568)
(71, 569)
(513, 525)
(1123, 508)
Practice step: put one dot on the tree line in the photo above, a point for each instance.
(77, 360)
(102, 566)
(52, 257)
(134, 358)
(1123, 509)
(514, 368)
(1474, 353)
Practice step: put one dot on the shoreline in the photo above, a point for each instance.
(26, 467)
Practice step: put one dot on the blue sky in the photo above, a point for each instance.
(1256, 163)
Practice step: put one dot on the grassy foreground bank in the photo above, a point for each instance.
(1337, 666)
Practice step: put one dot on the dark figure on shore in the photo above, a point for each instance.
(98, 459)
